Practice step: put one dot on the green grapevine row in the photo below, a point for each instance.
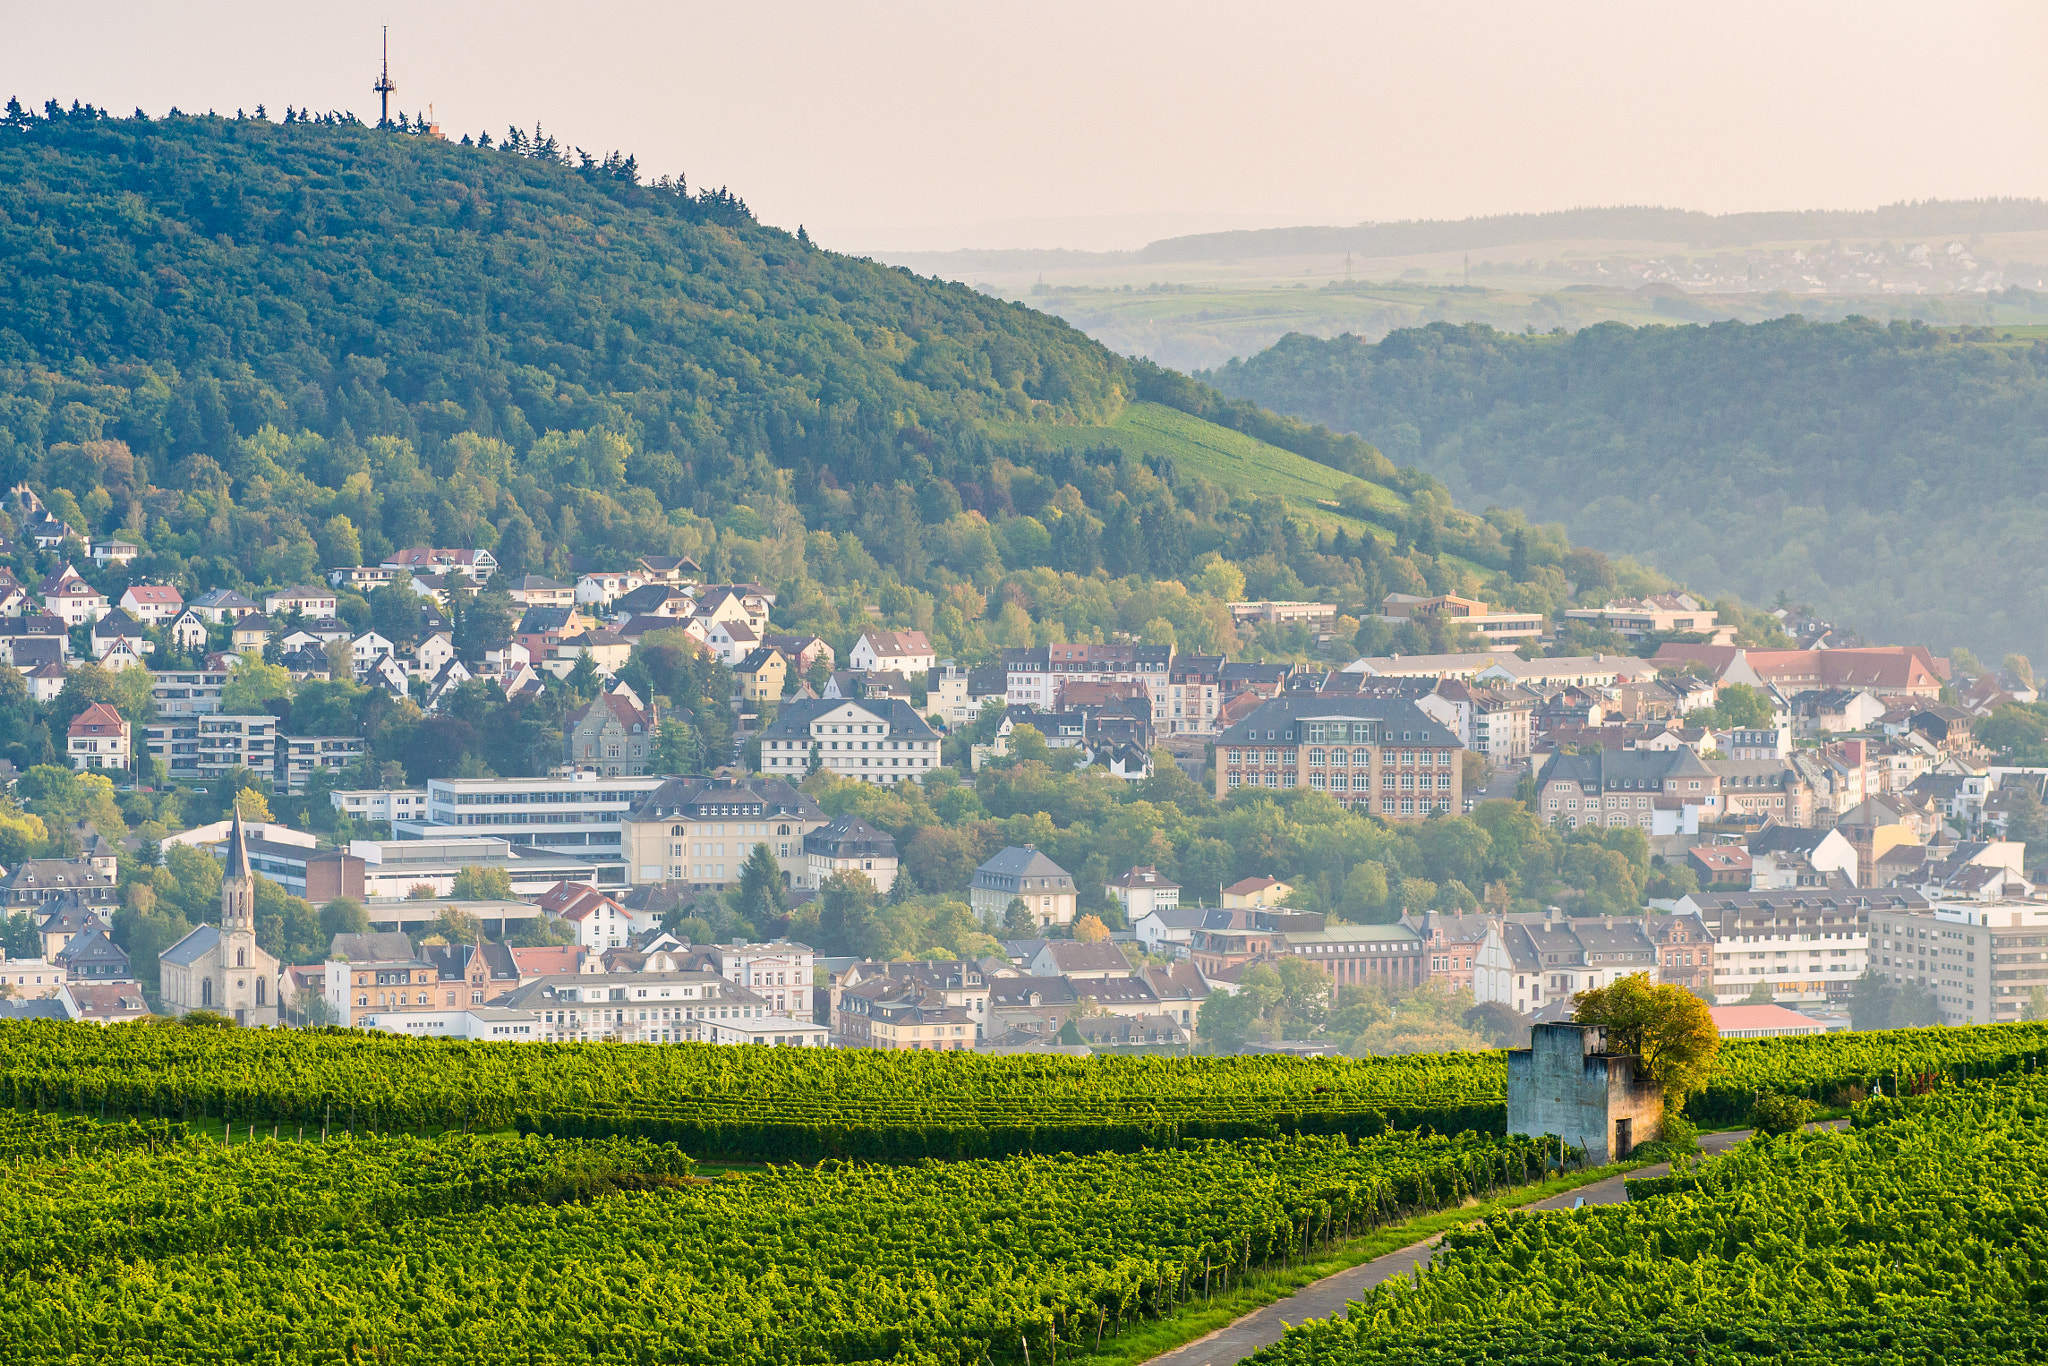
(418, 1250)
(1921, 1235)
(806, 1104)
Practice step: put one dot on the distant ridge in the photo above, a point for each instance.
(1922, 218)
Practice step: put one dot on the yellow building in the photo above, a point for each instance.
(761, 674)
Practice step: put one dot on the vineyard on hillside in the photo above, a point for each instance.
(500, 1249)
(808, 1104)
(1920, 1235)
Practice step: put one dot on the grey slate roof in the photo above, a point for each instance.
(1278, 720)
(850, 837)
(193, 947)
(795, 718)
(385, 947)
(1020, 863)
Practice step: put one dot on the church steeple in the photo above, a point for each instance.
(237, 885)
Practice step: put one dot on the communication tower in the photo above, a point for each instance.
(384, 86)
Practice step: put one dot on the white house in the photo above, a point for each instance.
(904, 652)
(1168, 931)
(1142, 891)
(369, 647)
(153, 602)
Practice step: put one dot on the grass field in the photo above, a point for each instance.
(1236, 462)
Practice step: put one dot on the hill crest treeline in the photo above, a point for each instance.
(1895, 477)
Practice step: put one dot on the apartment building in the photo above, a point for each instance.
(381, 804)
(1496, 628)
(1382, 755)
(224, 743)
(1193, 696)
(581, 815)
(1807, 944)
(700, 831)
(1982, 960)
(635, 1007)
(867, 741)
(1317, 616)
(1625, 787)
(298, 757)
(1663, 614)
(187, 692)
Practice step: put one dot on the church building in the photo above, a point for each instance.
(219, 968)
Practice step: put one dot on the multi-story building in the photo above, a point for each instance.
(381, 804)
(377, 972)
(98, 739)
(849, 845)
(1495, 628)
(1038, 676)
(1142, 891)
(1685, 951)
(1381, 755)
(299, 757)
(864, 741)
(1761, 789)
(636, 1007)
(1551, 957)
(1982, 960)
(226, 743)
(1805, 944)
(612, 735)
(33, 882)
(1664, 614)
(1193, 696)
(1317, 616)
(476, 565)
(187, 692)
(904, 652)
(700, 831)
(1456, 946)
(1623, 787)
(581, 815)
(779, 972)
(1023, 874)
(1501, 723)
(1387, 956)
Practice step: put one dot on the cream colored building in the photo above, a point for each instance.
(701, 830)
(1026, 875)
(219, 968)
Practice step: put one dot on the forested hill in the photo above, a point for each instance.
(500, 345)
(1896, 478)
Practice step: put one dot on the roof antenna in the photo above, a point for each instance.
(383, 88)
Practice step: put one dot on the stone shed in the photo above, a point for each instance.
(1566, 1083)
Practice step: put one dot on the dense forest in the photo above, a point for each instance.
(1895, 477)
(259, 349)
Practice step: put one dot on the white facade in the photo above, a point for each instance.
(772, 1033)
(862, 741)
(579, 816)
(187, 692)
(778, 972)
(486, 1024)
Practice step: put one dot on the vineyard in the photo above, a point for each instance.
(1920, 1235)
(751, 1104)
(404, 1249)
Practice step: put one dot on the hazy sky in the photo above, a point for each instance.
(1099, 124)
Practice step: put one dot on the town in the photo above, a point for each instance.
(1802, 837)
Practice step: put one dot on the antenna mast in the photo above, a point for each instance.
(384, 87)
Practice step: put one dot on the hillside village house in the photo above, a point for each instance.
(1142, 891)
(1023, 874)
(477, 565)
(612, 734)
(904, 652)
(849, 845)
(98, 739)
(306, 601)
(1496, 628)
(152, 602)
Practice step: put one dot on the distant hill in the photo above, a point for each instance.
(260, 349)
(1419, 236)
(1896, 477)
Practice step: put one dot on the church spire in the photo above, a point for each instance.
(237, 885)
